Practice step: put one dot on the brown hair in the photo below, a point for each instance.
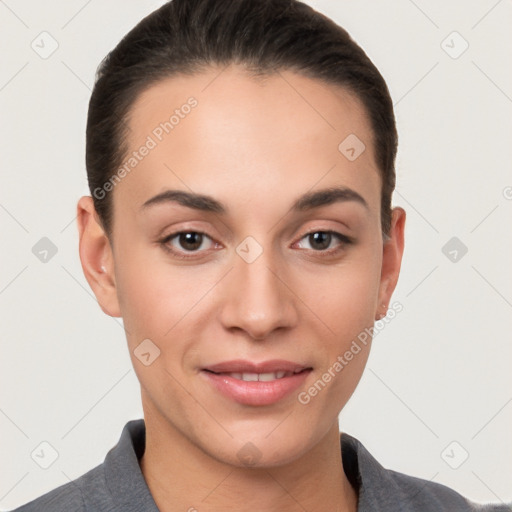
(186, 36)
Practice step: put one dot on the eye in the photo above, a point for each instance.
(321, 241)
(187, 242)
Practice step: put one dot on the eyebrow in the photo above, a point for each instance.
(306, 202)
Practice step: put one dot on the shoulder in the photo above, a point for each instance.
(117, 484)
(425, 495)
(68, 497)
(382, 489)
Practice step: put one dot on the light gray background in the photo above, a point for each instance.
(438, 373)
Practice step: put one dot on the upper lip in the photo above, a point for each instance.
(241, 366)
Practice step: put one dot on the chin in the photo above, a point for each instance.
(252, 451)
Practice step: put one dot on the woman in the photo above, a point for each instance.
(240, 156)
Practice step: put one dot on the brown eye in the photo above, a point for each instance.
(322, 241)
(188, 241)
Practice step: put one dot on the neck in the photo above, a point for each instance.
(182, 477)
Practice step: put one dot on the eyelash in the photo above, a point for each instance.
(344, 240)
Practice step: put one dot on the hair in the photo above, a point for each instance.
(265, 36)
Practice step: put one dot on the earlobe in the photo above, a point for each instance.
(96, 257)
(392, 252)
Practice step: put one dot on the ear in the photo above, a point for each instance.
(392, 251)
(97, 257)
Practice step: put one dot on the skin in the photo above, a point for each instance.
(256, 146)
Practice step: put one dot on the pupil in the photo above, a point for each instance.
(322, 238)
(190, 241)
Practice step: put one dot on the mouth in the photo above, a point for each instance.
(259, 377)
(256, 384)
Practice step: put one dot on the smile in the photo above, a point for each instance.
(256, 384)
(261, 377)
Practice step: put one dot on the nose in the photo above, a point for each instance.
(257, 299)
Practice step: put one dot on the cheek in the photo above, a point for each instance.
(344, 296)
(159, 300)
(147, 294)
(346, 306)
(344, 299)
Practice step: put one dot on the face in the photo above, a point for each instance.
(247, 245)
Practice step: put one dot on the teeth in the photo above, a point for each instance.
(261, 377)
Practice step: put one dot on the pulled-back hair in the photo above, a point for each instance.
(265, 36)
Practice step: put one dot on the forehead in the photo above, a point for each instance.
(222, 127)
(280, 99)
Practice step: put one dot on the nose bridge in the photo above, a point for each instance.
(257, 301)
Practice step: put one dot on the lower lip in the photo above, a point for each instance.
(256, 392)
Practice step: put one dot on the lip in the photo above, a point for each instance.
(256, 393)
(241, 366)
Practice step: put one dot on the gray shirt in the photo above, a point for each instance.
(117, 485)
